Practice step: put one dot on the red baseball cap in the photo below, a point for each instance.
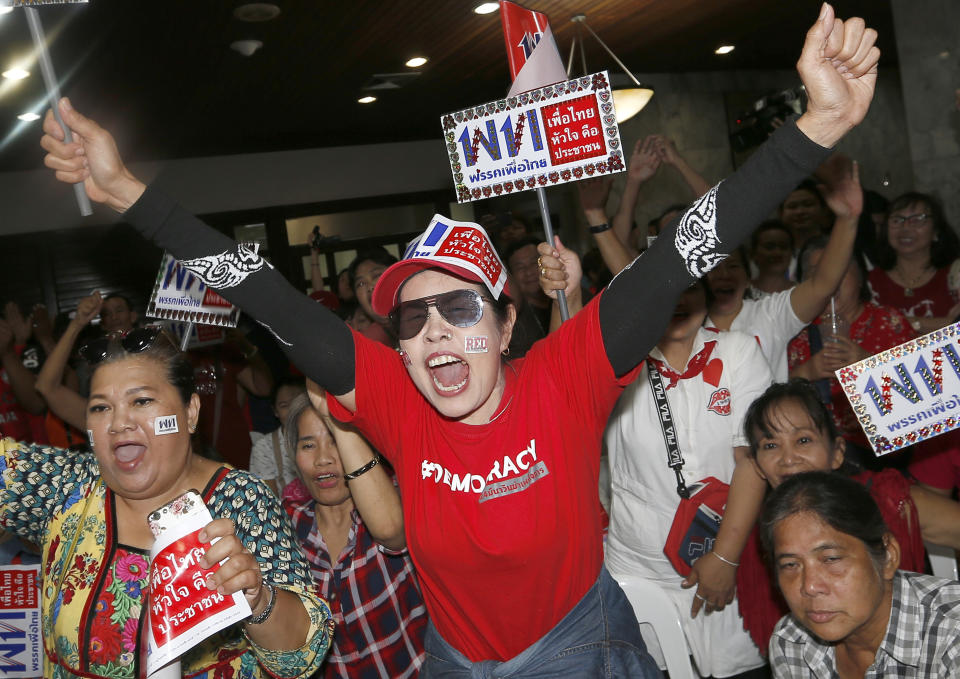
(461, 248)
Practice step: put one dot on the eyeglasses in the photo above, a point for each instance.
(912, 220)
(133, 342)
(461, 308)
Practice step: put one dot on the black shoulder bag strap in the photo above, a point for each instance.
(674, 457)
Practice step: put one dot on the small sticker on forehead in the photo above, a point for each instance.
(165, 425)
(475, 344)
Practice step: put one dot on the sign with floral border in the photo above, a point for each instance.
(909, 393)
(551, 135)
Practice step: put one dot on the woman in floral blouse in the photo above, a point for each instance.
(89, 512)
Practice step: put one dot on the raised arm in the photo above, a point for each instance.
(21, 380)
(845, 197)
(66, 403)
(637, 303)
(643, 164)
(374, 495)
(313, 337)
(668, 153)
(593, 201)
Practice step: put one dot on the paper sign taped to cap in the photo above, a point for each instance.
(909, 393)
(462, 244)
(552, 135)
(21, 644)
(179, 295)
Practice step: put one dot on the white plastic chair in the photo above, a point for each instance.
(943, 560)
(651, 605)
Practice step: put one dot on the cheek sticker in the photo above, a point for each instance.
(165, 425)
(476, 344)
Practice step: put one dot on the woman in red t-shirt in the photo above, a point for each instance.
(498, 462)
(917, 268)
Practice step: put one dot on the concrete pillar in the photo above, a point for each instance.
(928, 47)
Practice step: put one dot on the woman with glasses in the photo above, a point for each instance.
(498, 461)
(917, 268)
(89, 512)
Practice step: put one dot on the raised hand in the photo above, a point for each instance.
(92, 158)
(838, 67)
(842, 189)
(88, 308)
(645, 159)
(594, 193)
(22, 327)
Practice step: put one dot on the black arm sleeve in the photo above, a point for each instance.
(638, 303)
(317, 342)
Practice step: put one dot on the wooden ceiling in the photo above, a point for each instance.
(162, 76)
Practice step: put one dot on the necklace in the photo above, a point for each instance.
(911, 282)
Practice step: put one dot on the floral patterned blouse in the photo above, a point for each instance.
(876, 328)
(95, 590)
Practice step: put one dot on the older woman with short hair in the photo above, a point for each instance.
(853, 613)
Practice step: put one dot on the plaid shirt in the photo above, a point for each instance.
(375, 601)
(922, 639)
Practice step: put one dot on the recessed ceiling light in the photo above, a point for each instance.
(486, 8)
(367, 99)
(16, 74)
(724, 49)
(28, 117)
(417, 62)
(255, 12)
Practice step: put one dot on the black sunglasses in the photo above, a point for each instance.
(461, 308)
(133, 342)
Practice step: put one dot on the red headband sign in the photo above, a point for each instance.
(464, 245)
(551, 135)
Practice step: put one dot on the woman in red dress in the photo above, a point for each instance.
(917, 268)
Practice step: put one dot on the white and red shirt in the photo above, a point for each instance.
(502, 519)
(773, 323)
(708, 409)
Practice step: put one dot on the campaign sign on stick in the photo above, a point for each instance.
(551, 135)
(21, 644)
(200, 335)
(178, 295)
(183, 610)
(908, 393)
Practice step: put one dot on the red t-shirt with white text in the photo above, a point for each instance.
(502, 519)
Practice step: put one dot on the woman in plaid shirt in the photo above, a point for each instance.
(353, 538)
(853, 612)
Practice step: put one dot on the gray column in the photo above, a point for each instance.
(928, 47)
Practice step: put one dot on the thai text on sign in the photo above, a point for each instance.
(908, 393)
(551, 135)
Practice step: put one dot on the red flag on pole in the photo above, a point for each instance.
(531, 49)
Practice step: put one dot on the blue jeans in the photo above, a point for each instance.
(599, 637)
